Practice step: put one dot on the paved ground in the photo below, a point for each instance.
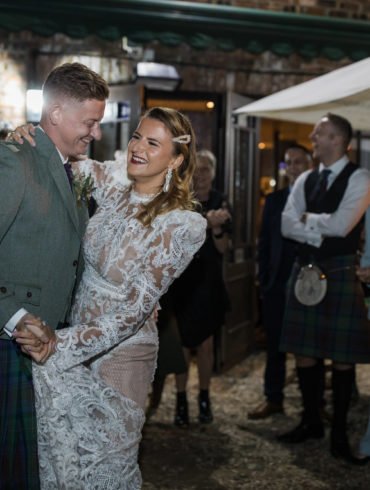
(234, 453)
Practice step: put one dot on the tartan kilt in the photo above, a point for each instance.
(337, 328)
(18, 434)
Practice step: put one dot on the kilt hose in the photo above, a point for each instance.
(337, 328)
(18, 434)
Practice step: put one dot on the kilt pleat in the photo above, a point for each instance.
(337, 328)
(18, 433)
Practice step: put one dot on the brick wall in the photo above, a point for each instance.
(350, 9)
(261, 74)
(240, 71)
(12, 89)
(254, 75)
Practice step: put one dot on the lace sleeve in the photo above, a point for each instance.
(105, 175)
(173, 243)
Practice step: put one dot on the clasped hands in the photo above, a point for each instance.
(35, 338)
(217, 217)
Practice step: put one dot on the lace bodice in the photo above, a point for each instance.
(127, 268)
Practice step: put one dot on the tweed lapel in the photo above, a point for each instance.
(52, 161)
(61, 181)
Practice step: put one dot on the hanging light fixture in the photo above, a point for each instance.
(157, 76)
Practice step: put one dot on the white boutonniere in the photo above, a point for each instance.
(83, 187)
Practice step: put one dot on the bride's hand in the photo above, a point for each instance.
(26, 132)
(21, 133)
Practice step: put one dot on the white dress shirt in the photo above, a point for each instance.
(354, 203)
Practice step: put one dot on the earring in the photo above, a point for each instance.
(167, 180)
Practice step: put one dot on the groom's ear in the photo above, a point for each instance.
(55, 114)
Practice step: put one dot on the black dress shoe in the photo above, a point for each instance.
(342, 450)
(301, 433)
(362, 460)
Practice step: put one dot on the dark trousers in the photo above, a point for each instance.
(273, 306)
(18, 434)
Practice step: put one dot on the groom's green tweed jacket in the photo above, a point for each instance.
(41, 228)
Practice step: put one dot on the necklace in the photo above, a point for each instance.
(140, 197)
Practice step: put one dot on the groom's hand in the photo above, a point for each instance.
(35, 337)
(45, 333)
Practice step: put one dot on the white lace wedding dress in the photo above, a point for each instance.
(90, 394)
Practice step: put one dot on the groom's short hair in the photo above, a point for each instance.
(74, 81)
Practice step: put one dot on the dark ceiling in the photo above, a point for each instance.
(201, 26)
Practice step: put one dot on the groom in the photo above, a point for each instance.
(41, 228)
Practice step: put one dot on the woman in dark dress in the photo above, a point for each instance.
(200, 297)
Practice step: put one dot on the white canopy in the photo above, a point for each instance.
(345, 91)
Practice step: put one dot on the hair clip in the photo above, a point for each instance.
(184, 138)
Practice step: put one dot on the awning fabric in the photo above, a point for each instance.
(345, 91)
(202, 26)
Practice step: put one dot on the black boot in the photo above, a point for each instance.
(182, 413)
(342, 383)
(311, 426)
(205, 411)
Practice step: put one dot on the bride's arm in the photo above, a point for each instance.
(103, 175)
(169, 253)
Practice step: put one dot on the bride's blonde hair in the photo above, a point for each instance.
(180, 192)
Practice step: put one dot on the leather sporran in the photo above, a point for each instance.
(311, 285)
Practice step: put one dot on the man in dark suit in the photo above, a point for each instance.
(275, 260)
(41, 228)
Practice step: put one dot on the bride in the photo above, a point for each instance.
(91, 391)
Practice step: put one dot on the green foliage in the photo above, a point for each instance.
(83, 187)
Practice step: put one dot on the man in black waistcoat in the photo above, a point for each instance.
(324, 213)
(276, 255)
